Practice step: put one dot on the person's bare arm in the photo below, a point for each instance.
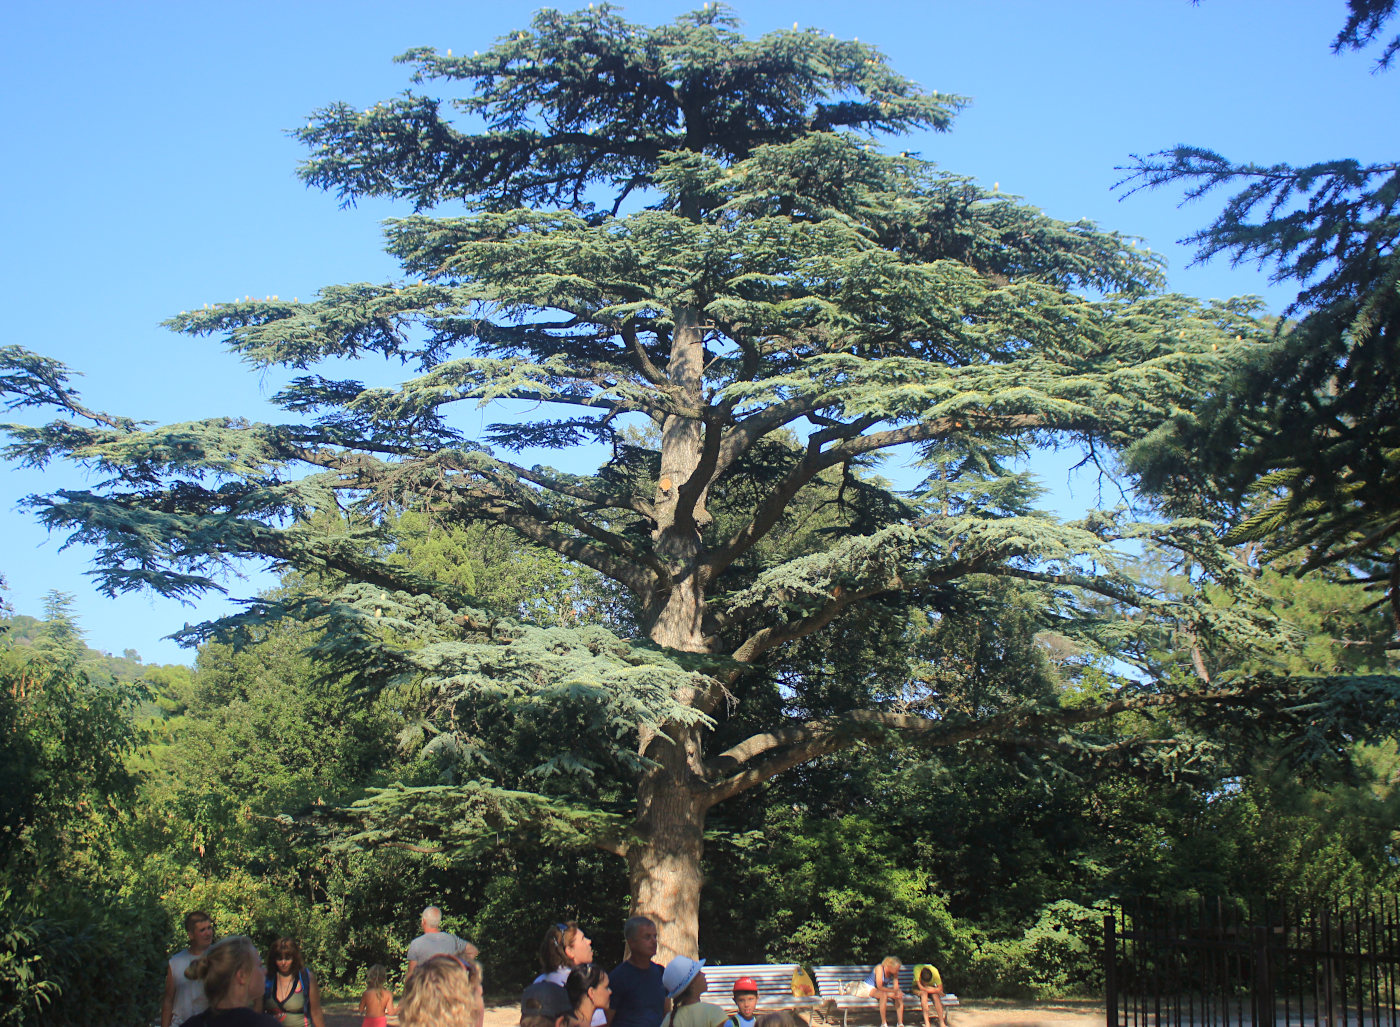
(412, 965)
(313, 1000)
(167, 1004)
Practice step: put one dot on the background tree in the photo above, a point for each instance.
(66, 739)
(686, 247)
(69, 912)
(1301, 452)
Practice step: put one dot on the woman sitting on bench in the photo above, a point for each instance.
(883, 984)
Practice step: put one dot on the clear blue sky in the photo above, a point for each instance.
(147, 169)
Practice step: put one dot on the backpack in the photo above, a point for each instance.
(303, 978)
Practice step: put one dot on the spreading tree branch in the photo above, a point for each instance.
(801, 743)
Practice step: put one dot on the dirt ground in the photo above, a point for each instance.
(990, 1013)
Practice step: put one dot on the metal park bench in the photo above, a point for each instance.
(774, 982)
(833, 983)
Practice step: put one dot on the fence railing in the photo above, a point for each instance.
(1228, 964)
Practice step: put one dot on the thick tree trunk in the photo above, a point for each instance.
(664, 863)
(677, 619)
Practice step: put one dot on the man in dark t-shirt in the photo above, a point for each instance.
(638, 996)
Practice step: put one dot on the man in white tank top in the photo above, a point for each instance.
(184, 997)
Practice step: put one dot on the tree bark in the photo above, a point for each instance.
(678, 616)
(663, 862)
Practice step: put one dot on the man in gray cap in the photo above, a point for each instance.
(434, 941)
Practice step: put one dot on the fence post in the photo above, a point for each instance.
(1263, 980)
(1110, 971)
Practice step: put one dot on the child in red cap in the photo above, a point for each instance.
(746, 1001)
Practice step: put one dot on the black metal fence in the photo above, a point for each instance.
(1226, 964)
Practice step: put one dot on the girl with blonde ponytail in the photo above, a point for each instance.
(233, 978)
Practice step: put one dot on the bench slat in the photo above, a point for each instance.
(774, 982)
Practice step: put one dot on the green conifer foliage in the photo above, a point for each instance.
(1365, 20)
(1301, 452)
(688, 246)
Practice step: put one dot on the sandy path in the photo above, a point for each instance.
(990, 1013)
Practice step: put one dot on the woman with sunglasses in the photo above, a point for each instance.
(565, 947)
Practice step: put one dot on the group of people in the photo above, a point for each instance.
(227, 984)
(224, 982)
(574, 991)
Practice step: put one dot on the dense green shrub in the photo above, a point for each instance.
(818, 890)
(87, 959)
(82, 941)
(1058, 955)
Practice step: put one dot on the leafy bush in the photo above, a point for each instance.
(817, 890)
(91, 959)
(79, 943)
(1055, 956)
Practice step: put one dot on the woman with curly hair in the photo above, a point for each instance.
(443, 992)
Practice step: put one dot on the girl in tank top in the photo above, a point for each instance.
(292, 995)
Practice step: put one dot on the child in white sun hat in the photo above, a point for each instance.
(684, 981)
